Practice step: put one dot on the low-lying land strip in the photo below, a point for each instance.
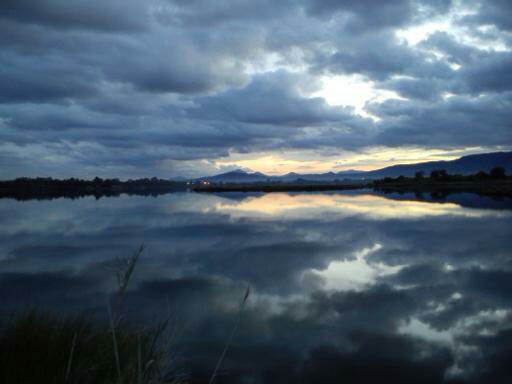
(49, 188)
(279, 187)
(490, 187)
(495, 183)
(482, 187)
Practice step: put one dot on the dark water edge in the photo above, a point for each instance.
(489, 187)
(464, 198)
(42, 188)
(352, 286)
(48, 188)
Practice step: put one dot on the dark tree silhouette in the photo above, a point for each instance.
(438, 174)
(482, 175)
(47, 188)
(498, 173)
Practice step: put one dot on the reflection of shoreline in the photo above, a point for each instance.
(461, 198)
(441, 188)
(492, 188)
(323, 267)
(35, 190)
(491, 194)
(279, 187)
(369, 204)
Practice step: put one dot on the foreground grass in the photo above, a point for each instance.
(38, 347)
(46, 347)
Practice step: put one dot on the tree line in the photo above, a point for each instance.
(496, 173)
(46, 187)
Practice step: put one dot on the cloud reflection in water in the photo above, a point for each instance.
(348, 286)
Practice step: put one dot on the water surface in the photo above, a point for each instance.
(345, 287)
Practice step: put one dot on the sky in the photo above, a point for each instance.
(130, 88)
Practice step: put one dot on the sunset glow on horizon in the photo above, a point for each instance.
(282, 163)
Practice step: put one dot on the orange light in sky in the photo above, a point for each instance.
(374, 158)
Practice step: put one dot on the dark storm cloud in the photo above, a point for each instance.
(48, 81)
(205, 13)
(367, 15)
(458, 120)
(57, 117)
(256, 104)
(384, 58)
(493, 12)
(454, 50)
(362, 15)
(83, 82)
(411, 88)
(114, 121)
(381, 56)
(174, 63)
(491, 74)
(114, 15)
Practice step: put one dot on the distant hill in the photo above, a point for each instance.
(329, 176)
(465, 165)
(238, 176)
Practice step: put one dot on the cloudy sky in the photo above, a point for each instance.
(131, 88)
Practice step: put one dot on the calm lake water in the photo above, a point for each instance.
(345, 287)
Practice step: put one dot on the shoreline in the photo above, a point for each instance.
(43, 191)
(278, 187)
(488, 188)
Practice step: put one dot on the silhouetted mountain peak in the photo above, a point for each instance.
(349, 172)
(463, 165)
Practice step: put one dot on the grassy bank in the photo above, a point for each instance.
(45, 347)
(37, 346)
(481, 187)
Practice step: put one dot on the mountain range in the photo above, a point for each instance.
(463, 166)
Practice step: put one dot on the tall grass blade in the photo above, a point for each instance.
(123, 276)
(124, 267)
(231, 336)
(114, 342)
(70, 360)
